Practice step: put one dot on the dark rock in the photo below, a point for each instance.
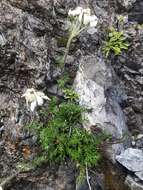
(136, 13)
(130, 74)
(47, 178)
(127, 3)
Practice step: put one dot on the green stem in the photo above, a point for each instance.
(67, 48)
(76, 29)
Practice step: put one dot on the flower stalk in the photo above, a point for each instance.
(81, 19)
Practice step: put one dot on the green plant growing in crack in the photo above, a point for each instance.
(116, 42)
(62, 81)
(63, 137)
(70, 94)
(80, 19)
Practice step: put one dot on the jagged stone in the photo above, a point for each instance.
(132, 159)
(127, 3)
(139, 175)
(92, 83)
(132, 184)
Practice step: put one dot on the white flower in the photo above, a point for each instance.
(33, 105)
(86, 19)
(87, 11)
(93, 20)
(84, 16)
(34, 98)
(90, 20)
(75, 12)
(1, 188)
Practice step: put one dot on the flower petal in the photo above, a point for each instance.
(87, 11)
(93, 18)
(33, 106)
(39, 100)
(80, 17)
(42, 95)
(75, 12)
(86, 19)
(46, 98)
(29, 95)
(93, 23)
(23, 95)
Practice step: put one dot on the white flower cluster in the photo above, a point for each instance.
(34, 98)
(84, 15)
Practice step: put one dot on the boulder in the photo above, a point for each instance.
(132, 159)
(94, 84)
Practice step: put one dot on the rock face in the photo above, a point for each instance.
(127, 3)
(133, 184)
(52, 178)
(31, 36)
(135, 13)
(132, 159)
(129, 68)
(95, 86)
(29, 42)
(24, 63)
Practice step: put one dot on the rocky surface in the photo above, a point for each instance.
(131, 75)
(132, 159)
(46, 178)
(133, 184)
(135, 13)
(97, 91)
(32, 35)
(127, 3)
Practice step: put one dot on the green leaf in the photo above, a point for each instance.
(115, 43)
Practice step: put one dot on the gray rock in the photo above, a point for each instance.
(92, 30)
(91, 83)
(37, 186)
(127, 3)
(139, 141)
(2, 39)
(132, 159)
(139, 175)
(132, 184)
(136, 12)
